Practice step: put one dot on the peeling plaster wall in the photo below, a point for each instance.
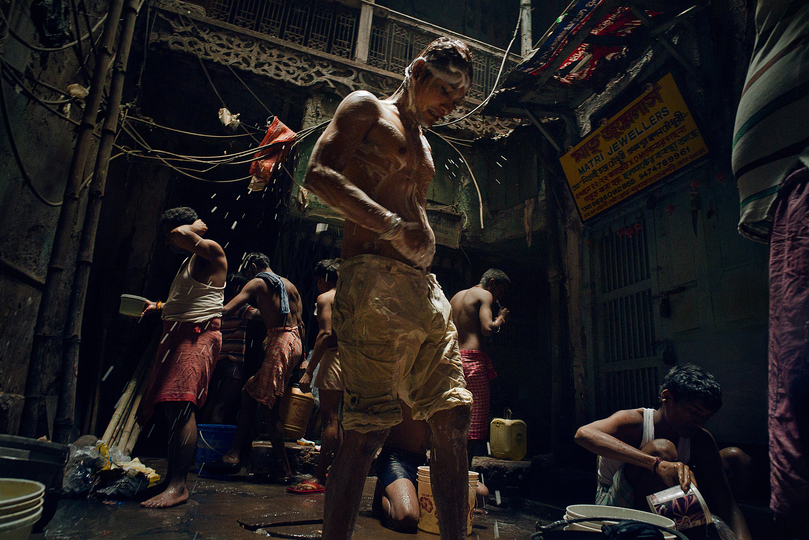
(45, 145)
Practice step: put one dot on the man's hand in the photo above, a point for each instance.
(503, 314)
(305, 383)
(676, 472)
(150, 307)
(416, 243)
(199, 227)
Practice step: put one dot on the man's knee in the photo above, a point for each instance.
(404, 518)
(663, 448)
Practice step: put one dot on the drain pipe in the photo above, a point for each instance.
(66, 409)
(45, 359)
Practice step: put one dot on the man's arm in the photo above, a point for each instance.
(352, 121)
(248, 291)
(713, 484)
(609, 438)
(324, 340)
(334, 150)
(188, 237)
(488, 323)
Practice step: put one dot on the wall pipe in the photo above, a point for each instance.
(45, 359)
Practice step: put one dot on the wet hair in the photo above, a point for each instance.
(446, 51)
(261, 261)
(499, 277)
(234, 284)
(689, 382)
(174, 217)
(327, 269)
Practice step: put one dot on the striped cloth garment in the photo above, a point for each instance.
(771, 134)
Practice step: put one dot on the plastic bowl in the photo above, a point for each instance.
(16, 490)
(22, 514)
(20, 529)
(616, 513)
(131, 305)
(14, 508)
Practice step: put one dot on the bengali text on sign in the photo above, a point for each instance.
(651, 138)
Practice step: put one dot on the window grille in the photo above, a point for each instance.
(321, 27)
(624, 260)
(633, 388)
(271, 18)
(295, 30)
(627, 319)
(245, 13)
(345, 33)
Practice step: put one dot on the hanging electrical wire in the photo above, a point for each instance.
(471, 174)
(152, 123)
(14, 149)
(66, 46)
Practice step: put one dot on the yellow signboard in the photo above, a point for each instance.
(649, 139)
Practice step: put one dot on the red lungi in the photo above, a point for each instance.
(478, 371)
(183, 365)
(284, 348)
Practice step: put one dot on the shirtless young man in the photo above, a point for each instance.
(643, 451)
(189, 346)
(329, 381)
(473, 317)
(394, 327)
(280, 306)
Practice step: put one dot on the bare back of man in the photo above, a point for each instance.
(472, 310)
(466, 307)
(268, 301)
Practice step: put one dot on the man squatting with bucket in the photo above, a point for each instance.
(643, 451)
(188, 348)
(473, 317)
(393, 323)
(281, 308)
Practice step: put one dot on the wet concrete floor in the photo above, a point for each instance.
(218, 505)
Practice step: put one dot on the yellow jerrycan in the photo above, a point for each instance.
(296, 406)
(507, 438)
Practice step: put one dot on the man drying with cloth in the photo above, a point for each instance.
(188, 348)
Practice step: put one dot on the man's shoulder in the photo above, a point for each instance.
(327, 297)
(360, 102)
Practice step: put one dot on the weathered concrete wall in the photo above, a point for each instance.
(44, 142)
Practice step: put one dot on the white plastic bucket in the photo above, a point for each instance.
(428, 519)
(131, 305)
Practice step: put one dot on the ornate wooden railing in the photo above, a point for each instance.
(362, 32)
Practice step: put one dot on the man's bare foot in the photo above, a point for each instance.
(172, 496)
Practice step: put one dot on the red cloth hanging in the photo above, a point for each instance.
(268, 160)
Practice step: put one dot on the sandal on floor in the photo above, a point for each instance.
(306, 486)
(219, 466)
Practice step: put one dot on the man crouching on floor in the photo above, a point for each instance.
(643, 451)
